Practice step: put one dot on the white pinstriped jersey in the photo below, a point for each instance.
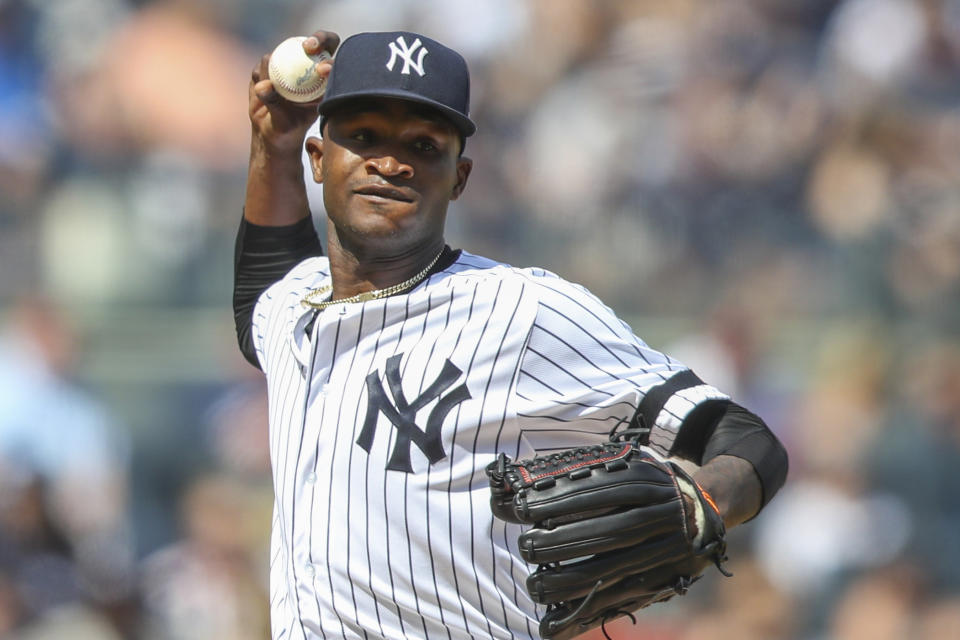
(383, 418)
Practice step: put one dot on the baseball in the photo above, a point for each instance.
(293, 72)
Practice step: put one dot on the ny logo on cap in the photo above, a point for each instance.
(400, 48)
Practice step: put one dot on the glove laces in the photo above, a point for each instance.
(608, 616)
(635, 433)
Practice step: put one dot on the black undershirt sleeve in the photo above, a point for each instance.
(717, 427)
(721, 427)
(263, 256)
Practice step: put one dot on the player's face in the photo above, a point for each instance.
(389, 168)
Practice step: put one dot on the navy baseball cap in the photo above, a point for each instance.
(404, 65)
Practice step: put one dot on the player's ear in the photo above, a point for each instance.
(464, 165)
(315, 151)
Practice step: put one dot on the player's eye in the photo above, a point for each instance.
(424, 145)
(361, 135)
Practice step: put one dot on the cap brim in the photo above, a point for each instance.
(462, 123)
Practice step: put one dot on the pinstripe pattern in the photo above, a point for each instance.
(362, 551)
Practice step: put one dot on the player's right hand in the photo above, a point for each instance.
(278, 124)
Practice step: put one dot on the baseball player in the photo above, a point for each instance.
(400, 369)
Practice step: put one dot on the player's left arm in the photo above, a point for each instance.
(579, 354)
(742, 463)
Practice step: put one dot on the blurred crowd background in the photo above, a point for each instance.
(767, 189)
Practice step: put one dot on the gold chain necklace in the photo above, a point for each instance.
(308, 300)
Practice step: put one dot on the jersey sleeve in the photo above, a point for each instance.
(279, 322)
(584, 372)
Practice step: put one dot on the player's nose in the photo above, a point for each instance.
(389, 164)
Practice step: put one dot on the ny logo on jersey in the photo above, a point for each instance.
(403, 413)
(400, 48)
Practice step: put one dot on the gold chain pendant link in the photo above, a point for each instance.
(366, 296)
